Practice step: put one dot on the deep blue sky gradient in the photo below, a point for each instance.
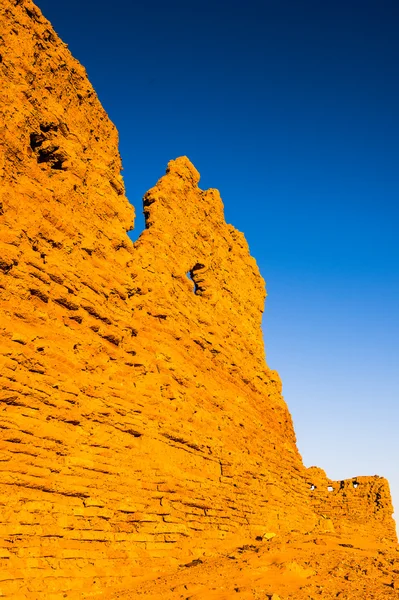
(291, 109)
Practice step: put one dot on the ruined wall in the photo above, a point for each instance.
(138, 417)
(361, 504)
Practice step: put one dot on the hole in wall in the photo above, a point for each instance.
(36, 140)
(195, 276)
(312, 487)
(355, 484)
(330, 488)
(188, 275)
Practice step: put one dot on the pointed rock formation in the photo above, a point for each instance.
(139, 419)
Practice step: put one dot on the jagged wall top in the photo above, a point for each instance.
(187, 237)
(138, 414)
(57, 144)
(60, 149)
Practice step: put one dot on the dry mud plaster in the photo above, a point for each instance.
(139, 421)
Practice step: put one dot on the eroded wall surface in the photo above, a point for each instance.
(139, 419)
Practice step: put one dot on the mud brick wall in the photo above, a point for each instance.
(138, 417)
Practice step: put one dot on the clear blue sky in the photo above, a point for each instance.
(291, 110)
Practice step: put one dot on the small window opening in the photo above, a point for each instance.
(312, 487)
(355, 484)
(330, 488)
(195, 276)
